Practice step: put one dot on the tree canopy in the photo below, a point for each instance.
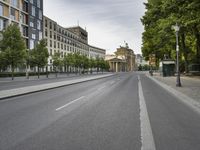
(39, 55)
(159, 36)
(13, 48)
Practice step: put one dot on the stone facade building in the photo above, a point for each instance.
(68, 40)
(122, 61)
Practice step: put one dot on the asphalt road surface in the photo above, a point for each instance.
(124, 112)
(7, 83)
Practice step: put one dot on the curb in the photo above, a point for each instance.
(182, 97)
(38, 88)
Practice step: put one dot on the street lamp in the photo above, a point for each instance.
(178, 81)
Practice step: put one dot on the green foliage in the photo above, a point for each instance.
(13, 48)
(159, 37)
(3, 64)
(81, 63)
(57, 60)
(39, 55)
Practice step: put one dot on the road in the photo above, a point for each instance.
(124, 112)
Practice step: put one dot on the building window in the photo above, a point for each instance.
(50, 34)
(14, 3)
(38, 25)
(31, 44)
(25, 6)
(58, 37)
(12, 13)
(46, 23)
(31, 24)
(54, 44)
(24, 18)
(1, 10)
(38, 3)
(50, 25)
(1, 25)
(33, 10)
(54, 27)
(46, 33)
(33, 36)
(25, 31)
(40, 35)
(50, 43)
(40, 14)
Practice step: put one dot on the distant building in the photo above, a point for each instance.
(28, 14)
(122, 61)
(140, 61)
(68, 40)
(80, 32)
(95, 52)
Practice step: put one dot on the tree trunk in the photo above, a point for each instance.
(76, 68)
(47, 73)
(56, 72)
(38, 70)
(12, 68)
(198, 47)
(185, 52)
(197, 35)
(65, 68)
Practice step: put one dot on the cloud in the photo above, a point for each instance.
(108, 22)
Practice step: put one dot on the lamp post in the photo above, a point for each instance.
(178, 81)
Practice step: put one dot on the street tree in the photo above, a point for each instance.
(13, 48)
(2, 62)
(39, 56)
(92, 64)
(98, 63)
(85, 62)
(66, 63)
(57, 62)
(78, 62)
(159, 37)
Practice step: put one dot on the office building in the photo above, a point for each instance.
(28, 14)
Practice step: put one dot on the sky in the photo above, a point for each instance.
(109, 23)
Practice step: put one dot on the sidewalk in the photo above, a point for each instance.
(50, 76)
(190, 85)
(36, 88)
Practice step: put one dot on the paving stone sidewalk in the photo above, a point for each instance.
(190, 85)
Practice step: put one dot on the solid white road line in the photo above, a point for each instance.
(146, 131)
(70, 103)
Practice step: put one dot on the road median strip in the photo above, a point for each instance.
(37, 88)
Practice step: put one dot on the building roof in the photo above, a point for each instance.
(116, 60)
